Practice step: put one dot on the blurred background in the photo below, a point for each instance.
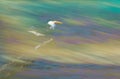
(85, 46)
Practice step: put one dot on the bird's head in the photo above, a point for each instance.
(57, 22)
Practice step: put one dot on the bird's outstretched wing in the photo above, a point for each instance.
(36, 33)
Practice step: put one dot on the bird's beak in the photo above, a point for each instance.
(58, 22)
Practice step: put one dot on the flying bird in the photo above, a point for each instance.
(53, 24)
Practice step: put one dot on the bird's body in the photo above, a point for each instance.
(53, 24)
